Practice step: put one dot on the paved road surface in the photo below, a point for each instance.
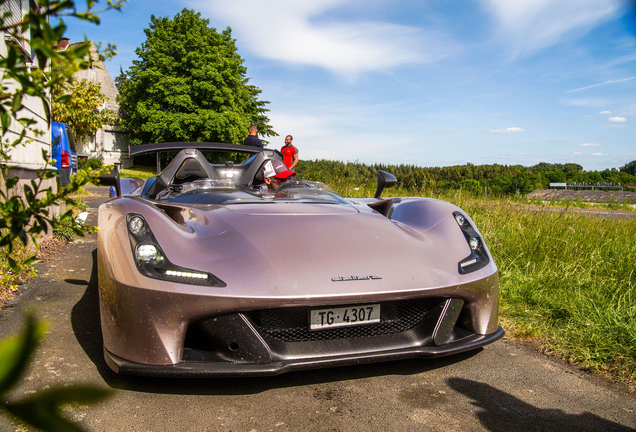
(506, 386)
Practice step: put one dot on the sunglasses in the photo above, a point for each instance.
(280, 180)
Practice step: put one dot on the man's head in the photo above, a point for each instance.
(288, 140)
(253, 129)
(275, 174)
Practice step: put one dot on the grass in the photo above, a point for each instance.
(9, 280)
(142, 172)
(567, 279)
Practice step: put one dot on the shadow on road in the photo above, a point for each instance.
(85, 322)
(86, 326)
(502, 412)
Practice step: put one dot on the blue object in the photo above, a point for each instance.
(64, 151)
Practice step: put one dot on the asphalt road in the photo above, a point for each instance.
(507, 386)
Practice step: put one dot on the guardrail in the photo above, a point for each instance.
(587, 185)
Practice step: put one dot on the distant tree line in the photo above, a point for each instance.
(499, 179)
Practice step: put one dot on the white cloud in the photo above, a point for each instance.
(508, 130)
(605, 112)
(577, 153)
(602, 84)
(599, 154)
(497, 114)
(617, 119)
(307, 32)
(321, 135)
(534, 24)
(589, 145)
(586, 102)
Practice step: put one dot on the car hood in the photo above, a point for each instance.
(312, 250)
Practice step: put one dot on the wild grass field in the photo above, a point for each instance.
(566, 279)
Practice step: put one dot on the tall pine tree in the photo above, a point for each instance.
(189, 84)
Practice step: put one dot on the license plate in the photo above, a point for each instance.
(344, 316)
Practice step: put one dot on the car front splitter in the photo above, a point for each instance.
(229, 369)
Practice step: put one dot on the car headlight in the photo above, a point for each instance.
(152, 262)
(136, 225)
(474, 243)
(148, 253)
(478, 257)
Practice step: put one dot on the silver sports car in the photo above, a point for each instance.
(207, 270)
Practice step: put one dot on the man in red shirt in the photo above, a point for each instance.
(290, 153)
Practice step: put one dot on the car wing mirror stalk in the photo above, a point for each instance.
(111, 179)
(385, 180)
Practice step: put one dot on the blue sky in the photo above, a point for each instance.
(427, 82)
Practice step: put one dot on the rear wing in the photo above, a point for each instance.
(158, 148)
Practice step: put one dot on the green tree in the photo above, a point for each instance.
(78, 105)
(189, 84)
(629, 168)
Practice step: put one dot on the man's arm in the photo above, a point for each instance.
(294, 161)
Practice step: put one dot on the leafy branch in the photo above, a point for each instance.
(42, 410)
(33, 74)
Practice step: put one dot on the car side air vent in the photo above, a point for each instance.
(382, 206)
(173, 212)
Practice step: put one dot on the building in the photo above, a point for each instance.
(109, 143)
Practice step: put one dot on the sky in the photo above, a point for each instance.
(426, 82)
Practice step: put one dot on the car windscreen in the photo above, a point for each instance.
(210, 192)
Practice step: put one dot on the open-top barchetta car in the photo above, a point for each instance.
(203, 271)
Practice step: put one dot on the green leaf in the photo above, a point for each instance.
(6, 120)
(11, 182)
(16, 351)
(17, 104)
(43, 409)
(12, 264)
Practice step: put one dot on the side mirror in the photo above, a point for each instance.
(111, 179)
(385, 180)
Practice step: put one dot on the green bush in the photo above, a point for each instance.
(64, 229)
(90, 163)
(10, 278)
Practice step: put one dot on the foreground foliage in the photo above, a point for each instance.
(43, 409)
(26, 213)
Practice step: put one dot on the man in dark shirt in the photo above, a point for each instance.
(252, 139)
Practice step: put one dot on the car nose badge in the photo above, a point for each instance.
(349, 278)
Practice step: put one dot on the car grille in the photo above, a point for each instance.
(292, 324)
